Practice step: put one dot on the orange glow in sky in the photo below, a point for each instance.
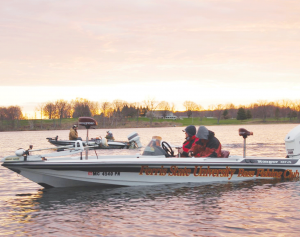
(206, 51)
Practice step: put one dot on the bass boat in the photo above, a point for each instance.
(156, 165)
(101, 143)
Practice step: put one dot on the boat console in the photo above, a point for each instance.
(157, 148)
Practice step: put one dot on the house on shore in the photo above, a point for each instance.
(162, 114)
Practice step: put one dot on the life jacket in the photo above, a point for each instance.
(187, 145)
(207, 148)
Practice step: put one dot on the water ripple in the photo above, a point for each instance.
(251, 208)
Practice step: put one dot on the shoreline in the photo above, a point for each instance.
(66, 124)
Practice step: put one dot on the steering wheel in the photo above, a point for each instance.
(168, 149)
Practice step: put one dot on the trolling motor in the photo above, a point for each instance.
(87, 122)
(244, 133)
(24, 153)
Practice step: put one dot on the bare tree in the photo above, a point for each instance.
(263, 106)
(40, 107)
(63, 109)
(284, 108)
(200, 107)
(3, 113)
(254, 108)
(95, 108)
(218, 111)
(209, 111)
(136, 105)
(190, 106)
(81, 107)
(297, 107)
(164, 106)
(49, 110)
(151, 105)
(105, 107)
(117, 106)
(172, 107)
(277, 110)
(232, 110)
(14, 113)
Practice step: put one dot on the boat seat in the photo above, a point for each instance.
(225, 154)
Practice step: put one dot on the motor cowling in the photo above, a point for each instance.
(134, 137)
(20, 152)
(292, 143)
(103, 142)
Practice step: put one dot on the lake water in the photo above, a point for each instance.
(269, 208)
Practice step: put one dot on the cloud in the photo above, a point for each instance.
(77, 43)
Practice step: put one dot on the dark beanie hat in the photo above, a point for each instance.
(190, 130)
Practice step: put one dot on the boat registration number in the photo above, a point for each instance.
(111, 173)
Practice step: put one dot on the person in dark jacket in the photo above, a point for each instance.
(109, 136)
(207, 144)
(73, 135)
(190, 132)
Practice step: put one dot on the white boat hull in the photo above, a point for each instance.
(135, 171)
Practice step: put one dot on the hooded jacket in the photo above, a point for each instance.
(207, 145)
(73, 135)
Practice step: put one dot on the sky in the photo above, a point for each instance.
(207, 51)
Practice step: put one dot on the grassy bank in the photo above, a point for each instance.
(37, 124)
(57, 124)
(214, 121)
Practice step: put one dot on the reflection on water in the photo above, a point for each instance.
(242, 208)
(247, 208)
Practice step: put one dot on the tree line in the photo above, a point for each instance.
(118, 111)
(11, 113)
(262, 109)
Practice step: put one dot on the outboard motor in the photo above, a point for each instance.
(104, 142)
(292, 143)
(134, 138)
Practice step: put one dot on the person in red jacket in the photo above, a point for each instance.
(190, 132)
(207, 144)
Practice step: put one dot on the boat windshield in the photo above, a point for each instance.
(154, 148)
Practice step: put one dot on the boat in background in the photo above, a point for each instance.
(98, 142)
(101, 143)
(156, 165)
